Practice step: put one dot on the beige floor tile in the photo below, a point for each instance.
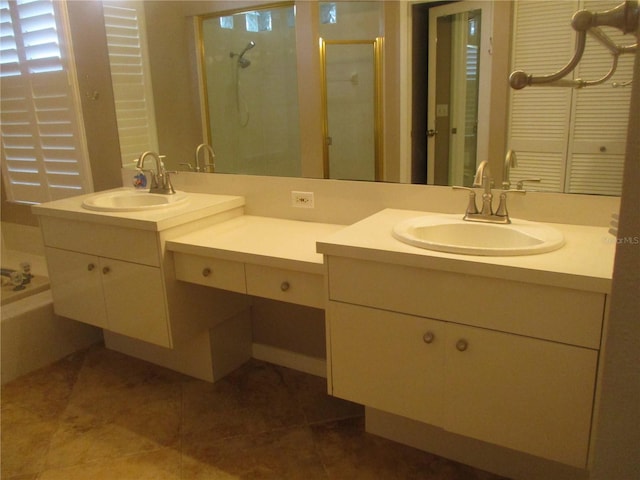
(311, 393)
(163, 464)
(278, 455)
(101, 415)
(347, 451)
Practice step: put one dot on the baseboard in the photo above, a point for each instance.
(286, 358)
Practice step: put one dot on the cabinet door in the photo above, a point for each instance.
(76, 286)
(527, 394)
(135, 300)
(386, 360)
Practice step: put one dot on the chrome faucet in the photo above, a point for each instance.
(160, 179)
(510, 161)
(212, 155)
(483, 180)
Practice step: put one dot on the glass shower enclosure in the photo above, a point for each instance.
(251, 89)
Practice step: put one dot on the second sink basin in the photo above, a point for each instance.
(449, 233)
(132, 201)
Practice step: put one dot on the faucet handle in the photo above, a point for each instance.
(520, 184)
(188, 165)
(472, 208)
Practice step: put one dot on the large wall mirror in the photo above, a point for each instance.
(250, 78)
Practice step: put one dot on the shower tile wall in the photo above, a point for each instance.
(253, 109)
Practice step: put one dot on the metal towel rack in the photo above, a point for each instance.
(624, 17)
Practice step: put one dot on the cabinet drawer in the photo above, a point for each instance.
(211, 272)
(138, 246)
(285, 285)
(560, 314)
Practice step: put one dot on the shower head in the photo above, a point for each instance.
(243, 62)
(249, 46)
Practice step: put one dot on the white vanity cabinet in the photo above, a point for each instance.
(258, 256)
(509, 363)
(123, 297)
(109, 277)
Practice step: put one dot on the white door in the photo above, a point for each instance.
(457, 117)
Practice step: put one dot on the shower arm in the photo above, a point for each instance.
(625, 17)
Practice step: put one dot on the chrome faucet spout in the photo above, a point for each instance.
(483, 177)
(483, 180)
(156, 157)
(160, 180)
(510, 161)
(205, 164)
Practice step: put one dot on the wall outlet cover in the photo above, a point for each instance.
(302, 199)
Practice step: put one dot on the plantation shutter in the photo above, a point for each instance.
(131, 79)
(572, 139)
(43, 147)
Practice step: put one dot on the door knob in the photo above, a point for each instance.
(431, 132)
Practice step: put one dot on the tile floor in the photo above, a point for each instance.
(101, 415)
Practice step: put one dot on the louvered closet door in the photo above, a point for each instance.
(596, 150)
(539, 128)
(572, 139)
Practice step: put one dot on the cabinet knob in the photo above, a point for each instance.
(462, 345)
(206, 272)
(284, 286)
(91, 267)
(428, 337)
(105, 270)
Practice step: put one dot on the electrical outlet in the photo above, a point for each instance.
(302, 199)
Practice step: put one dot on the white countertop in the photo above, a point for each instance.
(585, 262)
(197, 206)
(274, 242)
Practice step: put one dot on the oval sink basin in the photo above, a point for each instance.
(132, 201)
(449, 233)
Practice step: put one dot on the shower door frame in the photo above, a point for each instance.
(378, 126)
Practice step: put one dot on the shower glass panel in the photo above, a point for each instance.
(250, 76)
(350, 110)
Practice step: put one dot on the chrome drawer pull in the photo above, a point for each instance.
(428, 337)
(206, 272)
(106, 270)
(462, 345)
(91, 267)
(284, 286)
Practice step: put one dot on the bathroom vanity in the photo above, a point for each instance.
(502, 350)
(438, 346)
(110, 269)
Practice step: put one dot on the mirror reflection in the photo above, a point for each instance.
(251, 84)
(260, 92)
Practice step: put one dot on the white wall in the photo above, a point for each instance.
(617, 446)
